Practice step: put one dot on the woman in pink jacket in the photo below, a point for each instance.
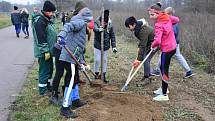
(165, 39)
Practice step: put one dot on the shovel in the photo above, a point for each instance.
(131, 74)
(78, 63)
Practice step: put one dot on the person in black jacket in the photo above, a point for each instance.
(25, 24)
(109, 38)
(16, 20)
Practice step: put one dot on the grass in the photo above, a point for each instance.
(4, 21)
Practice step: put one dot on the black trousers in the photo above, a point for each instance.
(60, 66)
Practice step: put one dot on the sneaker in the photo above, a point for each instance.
(161, 98)
(159, 91)
(144, 81)
(155, 73)
(17, 35)
(188, 74)
(66, 112)
(78, 103)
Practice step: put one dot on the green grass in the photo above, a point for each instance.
(4, 21)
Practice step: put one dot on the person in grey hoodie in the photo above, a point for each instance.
(16, 20)
(73, 35)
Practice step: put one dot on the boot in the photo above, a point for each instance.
(54, 99)
(78, 103)
(104, 76)
(66, 112)
(97, 75)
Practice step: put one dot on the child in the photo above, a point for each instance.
(145, 35)
(165, 38)
(179, 57)
(109, 37)
(73, 35)
(16, 20)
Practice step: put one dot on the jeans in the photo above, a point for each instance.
(25, 29)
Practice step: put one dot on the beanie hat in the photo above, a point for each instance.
(15, 7)
(78, 6)
(49, 6)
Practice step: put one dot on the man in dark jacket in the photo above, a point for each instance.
(145, 35)
(16, 20)
(45, 37)
(109, 38)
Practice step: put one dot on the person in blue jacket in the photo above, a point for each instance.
(16, 20)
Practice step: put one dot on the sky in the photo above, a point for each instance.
(24, 2)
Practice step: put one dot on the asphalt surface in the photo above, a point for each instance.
(16, 58)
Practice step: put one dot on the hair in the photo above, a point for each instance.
(169, 10)
(159, 4)
(106, 15)
(130, 21)
(24, 10)
(15, 7)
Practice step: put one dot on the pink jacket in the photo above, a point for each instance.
(164, 34)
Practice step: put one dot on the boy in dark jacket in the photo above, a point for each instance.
(45, 37)
(109, 38)
(145, 35)
(16, 20)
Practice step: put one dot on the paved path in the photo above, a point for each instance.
(16, 57)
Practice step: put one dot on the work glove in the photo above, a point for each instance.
(82, 67)
(136, 63)
(87, 67)
(101, 29)
(61, 41)
(154, 48)
(47, 56)
(114, 50)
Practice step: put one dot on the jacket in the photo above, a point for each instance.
(145, 35)
(74, 33)
(16, 17)
(109, 35)
(164, 34)
(44, 34)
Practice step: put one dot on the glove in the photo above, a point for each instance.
(82, 68)
(114, 50)
(47, 56)
(61, 41)
(101, 29)
(87, 67)
(136, 63)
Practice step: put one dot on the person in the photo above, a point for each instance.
(165, 38)
(145, 34)
(34, 13)
(60, 66)
(73, 35)
(45, 37)
(63, 19)
(25, 23)
(179, 57)
(16, 20)
(109, 37)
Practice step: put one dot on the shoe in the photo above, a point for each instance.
(159, 91)
(155, 73)
(66, 112)
(144, 81)
(78, 103)
(188, 74)
(54, 99)
(97, 75)
(104, 78)
(17, 35)
(26, 37)
(161, 98)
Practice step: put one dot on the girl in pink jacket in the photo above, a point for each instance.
(165, 39)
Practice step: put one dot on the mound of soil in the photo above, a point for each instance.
(110, 106)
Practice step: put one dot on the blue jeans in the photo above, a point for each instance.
(25, 29)
(180, 58)
(17, 28)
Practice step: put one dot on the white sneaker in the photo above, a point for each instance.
(161, 98)
(159, 91)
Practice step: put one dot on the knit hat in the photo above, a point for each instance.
(15, 7)
(49, 6)
(78, 6)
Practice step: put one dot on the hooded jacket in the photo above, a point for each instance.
(16, 17)
(74, 33)
(164, 34)
(109, 35)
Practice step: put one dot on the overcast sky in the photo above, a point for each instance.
(25, 2)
